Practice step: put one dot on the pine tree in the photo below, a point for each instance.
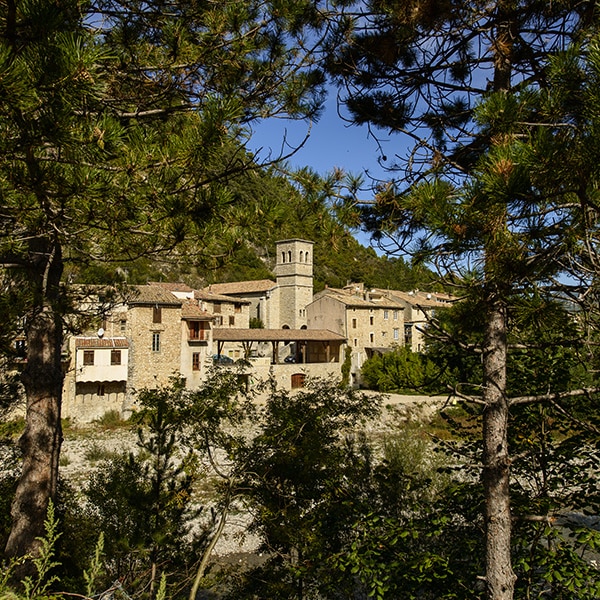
(121, 123)
(462, 198)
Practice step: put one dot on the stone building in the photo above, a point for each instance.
(279, 304)
(154, 332)
(370, 321)
(419, 309)
(160, 330)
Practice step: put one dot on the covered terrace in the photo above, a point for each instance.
(310, 345)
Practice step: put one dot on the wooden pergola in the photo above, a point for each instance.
(328, 341)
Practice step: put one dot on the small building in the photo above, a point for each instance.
(369, 320)
(295, 353)
(419, 309)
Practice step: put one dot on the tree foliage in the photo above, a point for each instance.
(457, 80)
(402, 372)
(122, 127)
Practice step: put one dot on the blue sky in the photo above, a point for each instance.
(332, 143)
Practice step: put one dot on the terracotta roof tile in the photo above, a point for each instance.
(358, 301)
(150, 295)
(422, 299)
(212, 296)
(243, 287)
(96, 342)
(190, 311)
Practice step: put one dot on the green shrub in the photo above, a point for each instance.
(12, 428)
(401, 371)
(111, 420)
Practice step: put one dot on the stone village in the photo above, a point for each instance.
(162, 329)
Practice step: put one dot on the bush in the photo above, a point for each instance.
(401, 371)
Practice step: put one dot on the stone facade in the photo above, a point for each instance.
(419, 308)
(370, 321)
(161, 330)
(282, 303)
(294, 272)
(154, 333)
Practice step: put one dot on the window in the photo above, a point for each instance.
(301, 256)
(156, 342)
(386, 314)
(122, 325)
(371, 337)
(156, 314)
(395, 315)
(355, 341)
(196, 361)
(231, 320)
(237, 307)
(21, 348)
(283, 257)
(88, 357)
(115, 357)
(196, 330)
(396, 334)
(101, 390)
(217, 307)
(353, 323)
(289, 256)
(218, 320)
(370, 320)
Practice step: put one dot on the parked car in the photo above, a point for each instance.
(222, 359)
(290, 359)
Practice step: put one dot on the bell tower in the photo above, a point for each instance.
(294, 272)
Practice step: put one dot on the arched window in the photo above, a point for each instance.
(289, 256)
(301, 256)
(306, 257)
(283, 257)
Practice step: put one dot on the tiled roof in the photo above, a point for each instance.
(358, 301)
(190, 310)
(211, 296)
(243, 287)
(173, 287)
(421, 299)
(276, 335)
(151, 295)
(96, 342)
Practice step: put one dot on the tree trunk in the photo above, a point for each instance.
(500, 577)
(499, 574)
(42, 379)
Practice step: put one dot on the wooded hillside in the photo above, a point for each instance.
(275, 208)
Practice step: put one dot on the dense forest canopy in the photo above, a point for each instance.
(275, 207)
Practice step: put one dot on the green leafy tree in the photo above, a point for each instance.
(302, 483)
(401, 371)
(122, 125)
(142, 503)
(466, 201)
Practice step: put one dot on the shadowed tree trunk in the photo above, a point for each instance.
(500, 578)
(42, 379)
